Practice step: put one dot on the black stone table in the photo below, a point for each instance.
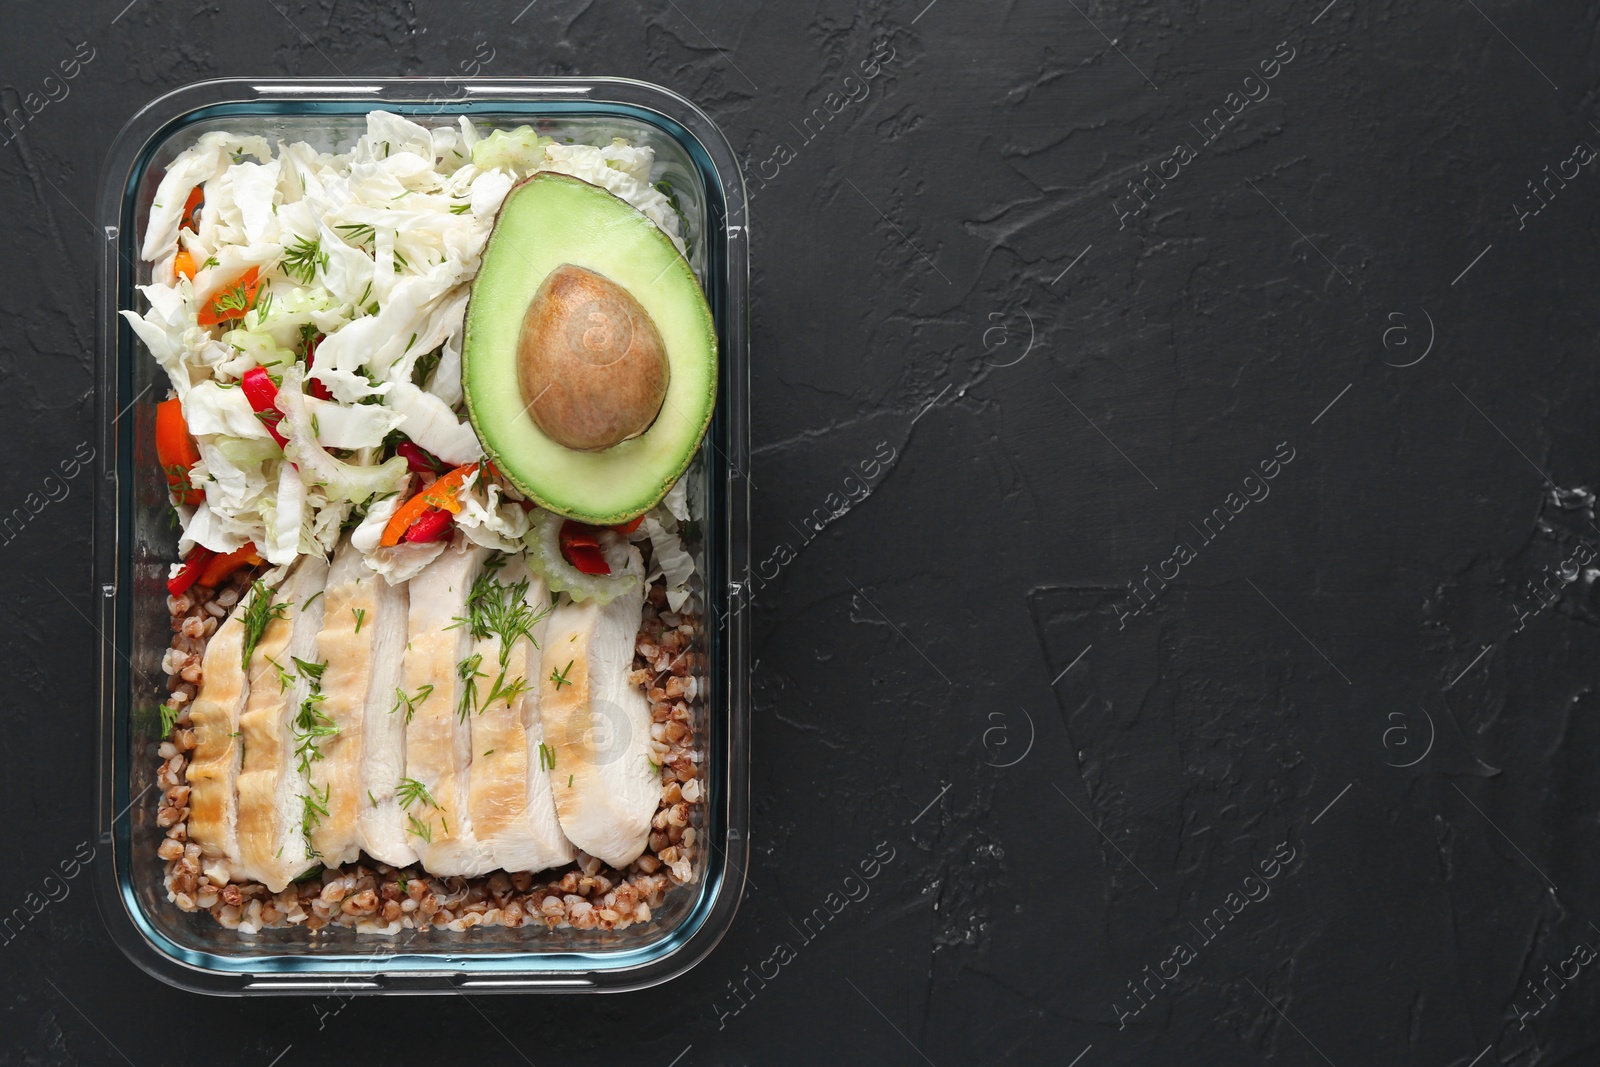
(1175, 445)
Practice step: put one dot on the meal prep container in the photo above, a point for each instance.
(134, 542)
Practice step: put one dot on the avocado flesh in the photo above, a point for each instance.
(547, 222)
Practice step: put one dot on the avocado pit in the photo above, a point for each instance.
(591, 364)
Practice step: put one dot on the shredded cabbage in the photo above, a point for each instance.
(372, 251)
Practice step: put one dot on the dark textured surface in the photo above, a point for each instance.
(1052, 435)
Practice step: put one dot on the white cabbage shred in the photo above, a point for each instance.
(374, 249)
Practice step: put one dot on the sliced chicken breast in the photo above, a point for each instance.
(344, 677)
(509, 798)
(597, 723)
(214, 769)
(382, 821)
(443, 683)
(277, 808)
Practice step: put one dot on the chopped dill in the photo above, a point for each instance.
(467, 670)
(560, 677)
(420, 828)
(410, 703)
(255, 618)
(410, 790)
(547, 757)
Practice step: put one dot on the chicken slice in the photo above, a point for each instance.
(442, 685)
(277, 808)
(214, 768)
(346, 679)
(382, 822)
(597, 724)
(509, 798)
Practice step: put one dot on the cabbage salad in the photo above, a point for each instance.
(307, 308)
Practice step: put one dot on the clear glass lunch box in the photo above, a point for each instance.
(134, 543)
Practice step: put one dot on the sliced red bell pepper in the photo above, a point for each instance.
(176, 450)
(432, 526)
(193, 565)
(629, 526)
(263, 396)
(223, 565)
(418, 459)
(580, 546)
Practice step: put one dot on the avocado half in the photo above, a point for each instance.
(556, 225)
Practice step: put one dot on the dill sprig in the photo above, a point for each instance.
(495, 609)
(420, 828)
(302, 258)
(547, 757)
(360, 616)
(410, 789)
(501, 690)
(410, 702)
(314, 808)
(560, 677)
(467, 670)
(255, 618)
(357, 233)
(311, 726)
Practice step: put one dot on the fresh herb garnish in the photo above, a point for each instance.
(314, 808)
(420, 828)
(357, 233)
(302, 258)
(560, 677)
(285, 677)
(169, 719)
(312, 671)
(410, 789)
(495, 609)
(260, 612)
(467, 670)
(361, 617)
(460, 209)
(372, 798)
(547, 757)
(501, 691)
(410, 703)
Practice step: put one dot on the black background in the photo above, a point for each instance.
(939, 273)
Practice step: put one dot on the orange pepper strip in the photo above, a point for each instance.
(246, 283)
(403, 517)
(446, 489)
(176, 450)
(221, 566)
(183, 264)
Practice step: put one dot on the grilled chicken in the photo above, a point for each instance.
(214, 770)
(276, 805)
(597, 724)
(509, 799)
(382, 822)
(442, 686)
(356, 673)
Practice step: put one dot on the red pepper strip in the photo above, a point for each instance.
(221, 566)
(418, 459)
(263, 397)
(629, 527)
(433, 526)
(193, 564)
(191, 220)
(314, 386)
(580, 546)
